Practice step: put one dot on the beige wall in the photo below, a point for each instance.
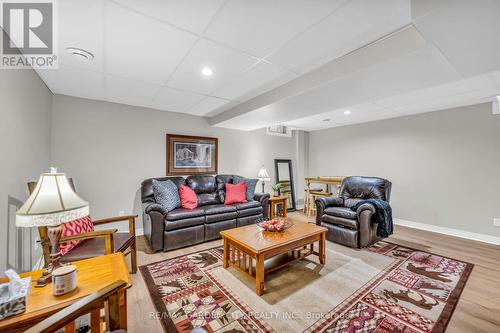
(25, 111)
(110, 148)
(444, 165)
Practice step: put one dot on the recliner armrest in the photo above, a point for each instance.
(323, 203)
(263, 198)
(364, 207)
(153, 206)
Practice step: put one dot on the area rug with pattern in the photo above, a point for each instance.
(385, 288)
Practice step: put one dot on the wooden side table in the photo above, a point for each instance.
(92, 275)
(275, 202)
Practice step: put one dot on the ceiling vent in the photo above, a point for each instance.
(279, 130)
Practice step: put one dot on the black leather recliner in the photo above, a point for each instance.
(348, 227)
(184, 227)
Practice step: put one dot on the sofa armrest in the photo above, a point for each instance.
(263, 198)
(323, 203)
(153, 219)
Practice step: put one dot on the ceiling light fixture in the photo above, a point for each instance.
(80, 54)
(207, 71)
(327, 119)
(347, 112)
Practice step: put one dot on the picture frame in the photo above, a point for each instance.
(191, 155)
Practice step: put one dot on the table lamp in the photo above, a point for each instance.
(52, 203)
(263, 176)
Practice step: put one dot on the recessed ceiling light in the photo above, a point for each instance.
(347, 112)
(207, 71)
(80, 54)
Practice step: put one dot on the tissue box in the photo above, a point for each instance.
(13, 304)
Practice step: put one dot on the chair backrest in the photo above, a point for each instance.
(42, 231)
(357, 188)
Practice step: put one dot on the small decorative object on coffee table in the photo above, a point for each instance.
(277, 206)
(244, 245)
(276, 225)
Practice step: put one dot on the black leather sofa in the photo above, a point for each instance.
(348, 227)
(184, 227)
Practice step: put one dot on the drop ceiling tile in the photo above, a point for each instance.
(466, 32)
(481, 82)
(224, 62)
(73, 81)
(131, 92)
(209, 106)
(84, 31)
(259, 26)
(170, 99)
(261, 78)
(355, 24)
(192, 15)
(140, 48)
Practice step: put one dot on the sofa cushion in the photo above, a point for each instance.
(221, 217)
(201, 184)
(208, 199)
(246, 205)
(184, 223)
(236, 193)
(188, 197)
(183, 213)
(341, 212)
(166, 194)
(250, 211)
(221, 181)
(251, 184)
(218, 209)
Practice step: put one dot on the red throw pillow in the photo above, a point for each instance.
(72, 228)
(188, 197)
(236, 193)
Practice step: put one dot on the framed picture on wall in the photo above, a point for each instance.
(191, 155)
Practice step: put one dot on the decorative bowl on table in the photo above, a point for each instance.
(276, 225)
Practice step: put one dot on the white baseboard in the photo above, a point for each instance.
(449, 231)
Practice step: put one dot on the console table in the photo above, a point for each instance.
(275, 202)
(92, 275)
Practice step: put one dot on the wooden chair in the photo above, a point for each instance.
(106, 298)
(95, 243)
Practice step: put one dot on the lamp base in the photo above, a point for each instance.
(54, 234)
(46, 277)
(262, 186)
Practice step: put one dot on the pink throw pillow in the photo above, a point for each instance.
(236, 193)
(188, 197)
(72, 228)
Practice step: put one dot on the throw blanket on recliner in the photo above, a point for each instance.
(382, 216)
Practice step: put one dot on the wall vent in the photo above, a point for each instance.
(279, 130)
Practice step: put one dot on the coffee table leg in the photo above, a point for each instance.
(226, 252)
(259, 275)
(322, 244)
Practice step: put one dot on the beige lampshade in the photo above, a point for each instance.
(263, 175)
(52, 202)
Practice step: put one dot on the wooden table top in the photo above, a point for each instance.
(325, 180)
(257, 240)
(278, 198)
(92, 275)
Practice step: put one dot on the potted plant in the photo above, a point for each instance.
(277, 187)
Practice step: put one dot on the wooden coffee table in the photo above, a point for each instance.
(270, 250)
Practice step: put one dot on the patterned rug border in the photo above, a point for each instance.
(440, 326)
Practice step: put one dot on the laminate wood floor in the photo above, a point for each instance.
(477, 311)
